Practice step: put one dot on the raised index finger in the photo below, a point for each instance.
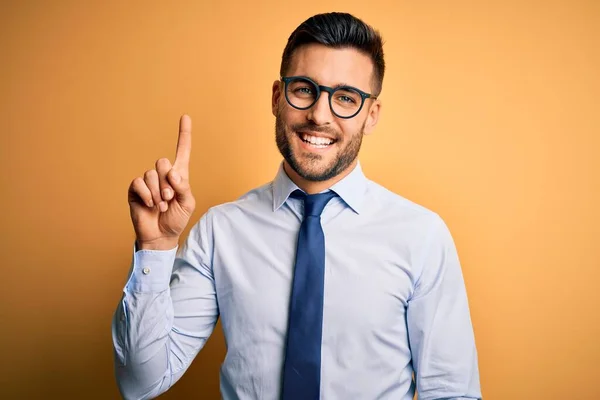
(184, 144)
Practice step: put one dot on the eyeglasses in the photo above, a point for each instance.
(302, 93)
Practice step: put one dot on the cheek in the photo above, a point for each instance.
(349, 129)
(292, 117)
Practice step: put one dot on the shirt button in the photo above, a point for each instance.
(122, 316)
(146, 271)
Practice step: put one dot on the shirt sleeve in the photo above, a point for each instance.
(167, 313)
(439, 324)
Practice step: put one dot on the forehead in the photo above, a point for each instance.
(330, 66)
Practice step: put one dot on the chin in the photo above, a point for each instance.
(312, 170)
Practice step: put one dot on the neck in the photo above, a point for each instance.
(312, 187)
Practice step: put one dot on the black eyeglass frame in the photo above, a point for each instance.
(322, 88)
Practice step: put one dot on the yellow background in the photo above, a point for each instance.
(490, 118)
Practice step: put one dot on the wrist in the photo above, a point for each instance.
(158, 244)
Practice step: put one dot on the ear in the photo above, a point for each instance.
(275, 97)
(372, 117)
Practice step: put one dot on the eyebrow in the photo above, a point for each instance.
(339, 85)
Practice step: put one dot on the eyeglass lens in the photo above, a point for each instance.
(302, 93)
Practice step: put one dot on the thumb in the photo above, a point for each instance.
(181, 186)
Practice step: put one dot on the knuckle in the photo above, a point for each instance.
(136, 182)
(150, 174)
(162, 163)
(138, 186)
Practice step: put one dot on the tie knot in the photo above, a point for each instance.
(314, 203)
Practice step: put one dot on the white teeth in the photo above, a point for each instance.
(317, 140)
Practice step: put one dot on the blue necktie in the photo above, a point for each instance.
(302, 365)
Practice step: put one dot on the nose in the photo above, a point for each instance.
(320, 113)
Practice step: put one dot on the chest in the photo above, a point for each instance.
(368, 274)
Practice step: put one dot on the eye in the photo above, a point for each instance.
(346, 99)
(303, 90)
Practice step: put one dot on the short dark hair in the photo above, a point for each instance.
(338, 30)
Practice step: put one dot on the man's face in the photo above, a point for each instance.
(337, 140)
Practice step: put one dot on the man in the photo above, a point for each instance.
(327, 285)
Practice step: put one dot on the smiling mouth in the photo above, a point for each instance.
(316, 141)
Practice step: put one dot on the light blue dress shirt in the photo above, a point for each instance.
(395, 300)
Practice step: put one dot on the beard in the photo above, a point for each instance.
(309, 165)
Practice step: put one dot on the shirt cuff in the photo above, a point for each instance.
(151, 271)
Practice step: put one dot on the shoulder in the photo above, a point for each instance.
(385, 201)
(259, 199)
(406, 219)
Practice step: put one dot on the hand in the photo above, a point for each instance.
(161, 202)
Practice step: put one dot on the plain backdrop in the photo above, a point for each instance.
(490, 118)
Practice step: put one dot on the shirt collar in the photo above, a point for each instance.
(351, 189)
